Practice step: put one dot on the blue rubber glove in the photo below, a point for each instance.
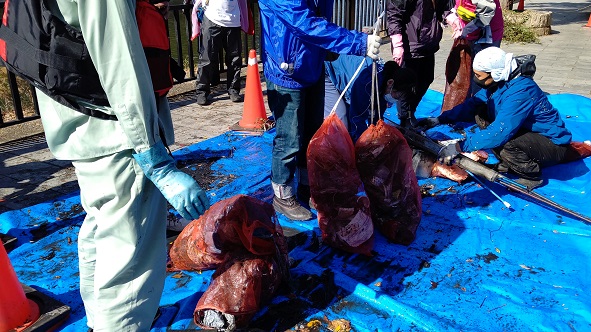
(179, 189)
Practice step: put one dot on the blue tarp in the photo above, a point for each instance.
(474, 266)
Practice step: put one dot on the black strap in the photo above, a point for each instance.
(79, 108)
(48, 59)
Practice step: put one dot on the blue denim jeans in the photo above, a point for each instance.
(298, 114)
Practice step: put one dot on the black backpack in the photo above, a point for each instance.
(526, 66)
(51, 55)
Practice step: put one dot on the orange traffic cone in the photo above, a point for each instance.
(588, 25)
(16, 311)
(520, 7)
(254, 115)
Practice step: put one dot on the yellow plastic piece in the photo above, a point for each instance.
(465, 14)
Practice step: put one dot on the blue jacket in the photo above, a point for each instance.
(518, 104)
(297, 33)
(358, 96)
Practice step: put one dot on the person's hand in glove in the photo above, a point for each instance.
(397, 49)
(454, 22)
(179, 189)
(373, 46)
(449, 151)
(469, 28)
(427, 123)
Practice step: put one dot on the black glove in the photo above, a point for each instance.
(427, 123)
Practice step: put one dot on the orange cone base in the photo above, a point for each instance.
(588, 25)
(33, 316)
(254, 117)
(46, 313)
(260, 126)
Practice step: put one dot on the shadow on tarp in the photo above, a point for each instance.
(475, 265)
(16, 175)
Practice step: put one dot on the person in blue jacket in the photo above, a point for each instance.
(296, 36)
(519, 124)
(395, 87)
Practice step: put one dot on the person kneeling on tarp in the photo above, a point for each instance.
(515, 117)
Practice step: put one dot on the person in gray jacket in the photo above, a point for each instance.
(123, 168)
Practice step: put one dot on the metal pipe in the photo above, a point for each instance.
(507, 205)
(426, 144)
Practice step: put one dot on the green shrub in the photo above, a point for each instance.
(515, 29)
(6, 104)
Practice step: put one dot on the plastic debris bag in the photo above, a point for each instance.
(384, 160)
(336, 189)
(240, 223)
(239, 287)
(458, 74)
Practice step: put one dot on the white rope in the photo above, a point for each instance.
(378, 95)
(348, 85)
(374, 77)
(375, 32)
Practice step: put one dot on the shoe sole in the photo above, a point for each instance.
(294, 219)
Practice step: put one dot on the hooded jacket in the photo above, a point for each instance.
(296, 35)
(419, 23)
(488, 13)
(515, 105)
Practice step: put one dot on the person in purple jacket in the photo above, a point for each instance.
(521, 126)
(296, 36)
(415, 29)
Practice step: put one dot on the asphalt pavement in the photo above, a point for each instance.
(30, 174)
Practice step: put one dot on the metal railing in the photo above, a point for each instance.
(351, 14)
(18, 114)
(357, 14)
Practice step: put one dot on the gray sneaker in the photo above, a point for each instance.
(291, 208)
(202, 99)
(235, 96)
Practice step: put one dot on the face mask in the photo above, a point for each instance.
(481, 84)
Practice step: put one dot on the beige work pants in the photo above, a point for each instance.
(121, 244)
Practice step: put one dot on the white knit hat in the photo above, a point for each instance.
(495, 61)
